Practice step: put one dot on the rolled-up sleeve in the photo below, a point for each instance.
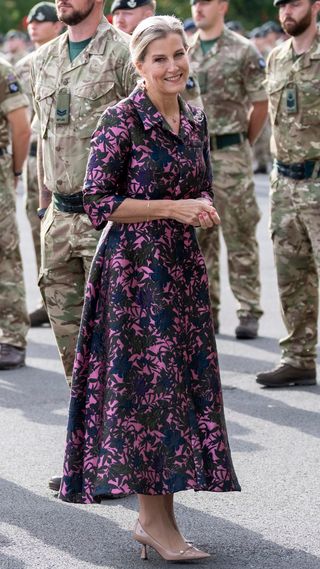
(106, 176)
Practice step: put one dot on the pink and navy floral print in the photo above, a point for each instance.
(146, 411)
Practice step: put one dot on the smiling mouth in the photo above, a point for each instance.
(174, 78)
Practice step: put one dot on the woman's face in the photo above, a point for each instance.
(165, 68)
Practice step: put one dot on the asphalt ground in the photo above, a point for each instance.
(274, 435)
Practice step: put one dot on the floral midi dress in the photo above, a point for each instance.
(146, 410)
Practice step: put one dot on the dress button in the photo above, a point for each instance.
(65, 81)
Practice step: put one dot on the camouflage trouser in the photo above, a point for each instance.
(236, 204)
(30, 180)
(68, 243)
(295, 229)
(14, 319)
(261, 148)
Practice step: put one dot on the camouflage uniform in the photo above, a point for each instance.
(100, 76)
(261, 147)
(30, 178)
(14, 58)
(295, 204)
(231, 77)
(14, 320)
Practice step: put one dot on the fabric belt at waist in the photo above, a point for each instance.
(3, 151)
(299, 170)
(72, 203)
(33, 149)
(219, 141)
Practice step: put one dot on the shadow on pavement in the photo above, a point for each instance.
(261, 343)
(88, 536)
(43, 351)
(235, 431)
(37, 393)
(275, 411)
(8, 562)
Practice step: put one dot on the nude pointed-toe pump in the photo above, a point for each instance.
(189, 553)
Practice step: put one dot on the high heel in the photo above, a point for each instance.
(144, 552)
(190, 553)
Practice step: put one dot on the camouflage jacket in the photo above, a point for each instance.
(231, 77)
(23, 68)
(70, 97)
(11, 98)
(293, 86)
(14, 58)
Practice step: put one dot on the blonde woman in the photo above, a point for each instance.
(146, 412)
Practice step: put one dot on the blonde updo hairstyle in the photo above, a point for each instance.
(151, 29)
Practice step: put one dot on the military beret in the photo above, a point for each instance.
(127, 4)
(279, 2)
(12, 34)
(235, 26)
(271, 26)
(189, 24)
(43, 12)
(257, 33)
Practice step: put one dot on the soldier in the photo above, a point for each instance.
(43, 26)
(73, 78)
(14, 130)
(231, 75)
(15, 46)
(126, 14)
(293, 83)
(237, 27)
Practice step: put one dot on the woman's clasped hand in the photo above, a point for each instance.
(197, 212)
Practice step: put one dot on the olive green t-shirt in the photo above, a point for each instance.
(76, 47)
(206, 45)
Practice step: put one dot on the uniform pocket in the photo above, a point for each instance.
(309, 91)
(91, 101)
(274, 90)
(44, 99)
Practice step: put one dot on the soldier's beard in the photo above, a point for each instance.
(294, 28)
(77, 16)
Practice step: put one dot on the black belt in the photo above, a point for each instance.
(299, 170)
(69, 203)
(3, 151)
(33, 149)
(219, 141)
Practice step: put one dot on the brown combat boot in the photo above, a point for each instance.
(284, 375)
(39, 317)
(11, 357)
(247, 328)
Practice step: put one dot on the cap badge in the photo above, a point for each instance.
(132, 3)
(40, 16)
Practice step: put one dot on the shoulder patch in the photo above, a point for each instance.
(190, 83)
(14, 87)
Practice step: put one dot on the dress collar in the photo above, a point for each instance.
(149, 114)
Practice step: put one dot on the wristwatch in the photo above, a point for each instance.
(41, 211)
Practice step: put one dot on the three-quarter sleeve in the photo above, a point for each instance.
(206, 190)
(105, 182)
